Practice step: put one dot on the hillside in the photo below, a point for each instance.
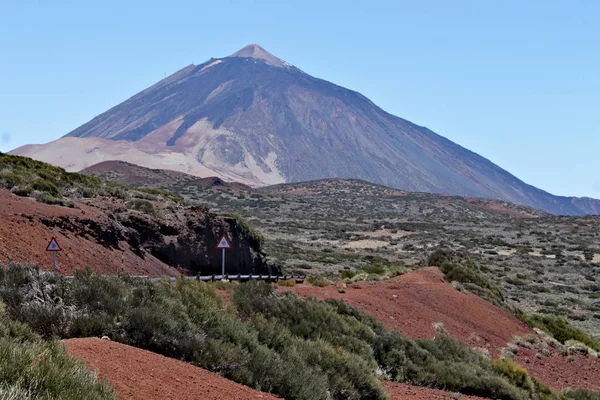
(108, 227)
(142, 375)
(354, 193)
(136, 176)
(544, 263)
(293, 347)
(258, 120)
(418, 302)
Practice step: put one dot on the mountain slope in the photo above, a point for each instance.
(349, 194)
(112, 228)
(254, 118)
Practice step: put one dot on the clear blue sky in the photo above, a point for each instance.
(515, 81)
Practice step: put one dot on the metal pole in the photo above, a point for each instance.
(223, 266)
(54, 261)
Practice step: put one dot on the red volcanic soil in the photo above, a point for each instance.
(411, 303)
(399, 391)
(24, 238)
(142, 375)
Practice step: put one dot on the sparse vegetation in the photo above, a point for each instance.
(296, 348)
(32, 368)
(318, 281)
(560, 329)
(252, 233)
(287, 283)
(53, 185)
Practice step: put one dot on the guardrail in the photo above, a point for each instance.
(239, 277)
(214, 278)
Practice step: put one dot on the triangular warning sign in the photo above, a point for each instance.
(53, 246)
(224, 243)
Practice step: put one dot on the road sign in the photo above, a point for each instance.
(53, 246)
(224, 243)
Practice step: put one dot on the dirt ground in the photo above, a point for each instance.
(24, 238)
(412, 303)
(399, 391)
(139, 374)
(142, 375)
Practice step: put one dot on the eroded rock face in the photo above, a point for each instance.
(186, 240)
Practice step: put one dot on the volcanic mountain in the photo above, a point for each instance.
(258, 120)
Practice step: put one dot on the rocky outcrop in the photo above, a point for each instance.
(187, 240)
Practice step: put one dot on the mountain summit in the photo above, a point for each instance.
(256, 119)
(257, 52)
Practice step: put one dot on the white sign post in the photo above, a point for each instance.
(223, 244)
(53, 247)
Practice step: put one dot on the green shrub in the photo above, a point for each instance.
(348, 274)
(31, 368)
(22, 191)
(45, 186)
(581, 394)
(374, 269)
(560, 329)
(162, 193)
(287, 283)
(256, 238)
(143, 206)
(318, 281)
(118, 191)
(8, 180)
(474, 281)
(515, 373)
(439, 257)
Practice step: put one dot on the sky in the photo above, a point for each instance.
(516, 81)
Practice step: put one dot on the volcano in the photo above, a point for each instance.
(256, 119)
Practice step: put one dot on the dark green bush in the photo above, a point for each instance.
(143, 206)
(468, 273)
(560, 329)
(581, 394)
(8, 180)
(348, 274)
(31, 368)
(319, 281)
(163, 193)
(256, 238)
(45, 186)
(22, 190)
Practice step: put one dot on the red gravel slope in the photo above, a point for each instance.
(399, 391)
(411, 303)
(24, 237)
(141, 375)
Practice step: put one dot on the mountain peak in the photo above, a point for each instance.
(257, 52)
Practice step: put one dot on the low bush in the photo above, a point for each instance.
(319, 281)
(142, 206)
(254, 235)
(31, 368)
(46, 187)
(560, 329)
(581, 394)
(287, 283)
